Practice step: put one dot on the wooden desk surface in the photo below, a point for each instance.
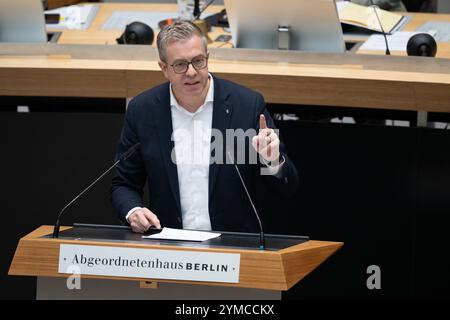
(96, 35)
(417, 20)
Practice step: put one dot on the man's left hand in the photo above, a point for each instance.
(266, 143)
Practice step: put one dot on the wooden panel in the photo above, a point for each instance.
(432, 97)
(52, 4)
(139, 80)
(299, 263)
(37, 256)
(63, 82)
(290, 83)
(329, 92)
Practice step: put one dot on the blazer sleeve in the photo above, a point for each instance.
(130, 175)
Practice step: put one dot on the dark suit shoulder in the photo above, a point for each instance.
(149, 98)
(246, 101)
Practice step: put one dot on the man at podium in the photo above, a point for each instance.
(185, 128)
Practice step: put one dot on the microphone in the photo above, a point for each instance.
(198, 13)
(196, 8)
(422, 45)
(124, 156)
(388, 53)
(262, 241)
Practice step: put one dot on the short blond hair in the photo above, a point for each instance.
(178, 31)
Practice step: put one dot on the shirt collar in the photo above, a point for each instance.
(209, 97)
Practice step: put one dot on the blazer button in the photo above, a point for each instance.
(285, 180)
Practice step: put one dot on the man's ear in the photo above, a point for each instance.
(164, 68)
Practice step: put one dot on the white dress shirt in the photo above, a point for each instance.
(192, 140)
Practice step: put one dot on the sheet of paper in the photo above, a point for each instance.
(442, 30)
(397, 41)
(179, 234)
(77, 17)
(341, 5)
(119, 19)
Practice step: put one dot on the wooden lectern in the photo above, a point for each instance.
(263, 274)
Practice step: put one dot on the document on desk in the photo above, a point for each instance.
(76, 17)
(186, 235)
(397, 41)
(120, 19)
(442, 30)
(365, 17)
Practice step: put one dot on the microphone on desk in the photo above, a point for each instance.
(124, 156)
(388, 52)
(200, 23)
(262, 241)
(197, 11)
(421, 45)
(196, 8)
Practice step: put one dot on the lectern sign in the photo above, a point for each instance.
(150, 263)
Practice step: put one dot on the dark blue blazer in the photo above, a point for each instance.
(148, 120)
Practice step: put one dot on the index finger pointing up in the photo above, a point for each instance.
(262, 122)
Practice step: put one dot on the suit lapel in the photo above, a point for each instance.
(165, 128)
(222, 110)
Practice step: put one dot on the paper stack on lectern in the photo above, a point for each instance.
(186, 235)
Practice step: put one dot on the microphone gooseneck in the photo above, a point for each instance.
(262, 241)
(196, 7)
(388, 52)
(124, 156)
(198, 13)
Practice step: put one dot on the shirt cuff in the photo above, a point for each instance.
(130, 212)
(274, 170)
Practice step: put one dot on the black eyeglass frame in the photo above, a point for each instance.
(191, 63)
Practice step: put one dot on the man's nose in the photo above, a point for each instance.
(191, 70)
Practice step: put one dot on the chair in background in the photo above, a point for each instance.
(420, 5)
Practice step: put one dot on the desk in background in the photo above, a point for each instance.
(96, 35)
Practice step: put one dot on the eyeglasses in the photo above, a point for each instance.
(181, 66)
